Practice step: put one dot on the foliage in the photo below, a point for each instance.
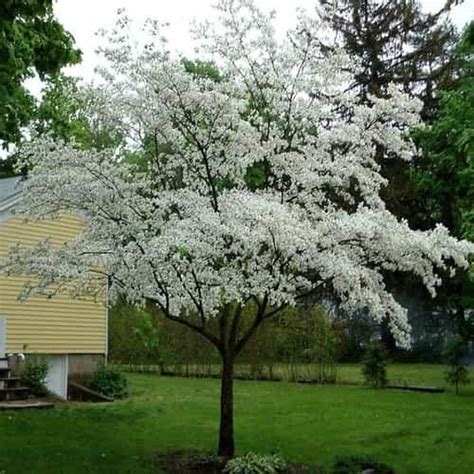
(109, 380)
(8, 167)
(301, 339)
(134, 336)
(358, 464)
(202, 69)
(457, 373)
(68, 112)
(307, 336)
(252, 463)
(33, 43)
(34, 375)
(189, 234)
(444, 177)
(354, 333)
(374, 365)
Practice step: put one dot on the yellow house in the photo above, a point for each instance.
(71, 333)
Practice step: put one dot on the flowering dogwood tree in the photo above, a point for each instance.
(260, 186)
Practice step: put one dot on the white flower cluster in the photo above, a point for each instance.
(260, 184)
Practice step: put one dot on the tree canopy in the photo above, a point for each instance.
(444, 175)
(33, 43)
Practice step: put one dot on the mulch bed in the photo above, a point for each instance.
(189, 462)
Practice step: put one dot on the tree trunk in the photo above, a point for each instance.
(226, 430)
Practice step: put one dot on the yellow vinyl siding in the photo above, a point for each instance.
(57, 325)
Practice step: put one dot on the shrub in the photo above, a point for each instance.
(253, 463)
(110, 381)
(358, 464)
(34, 375)
(373, 368)
(454, 353)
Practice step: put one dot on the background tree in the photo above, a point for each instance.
(67, 112)
(396, 43)
(134, 336)
(189, 234)
(374, 365)
(33, 43)
(457, 373)
(444, 176)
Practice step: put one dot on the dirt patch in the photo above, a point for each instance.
(189, 462)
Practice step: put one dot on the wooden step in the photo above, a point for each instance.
(13, 393)
(25, 405)
(6, 382)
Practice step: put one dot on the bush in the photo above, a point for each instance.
(454, 353)
(373, 368)
(110, 381)
(253, 463)
(358, 464)
(34, 375)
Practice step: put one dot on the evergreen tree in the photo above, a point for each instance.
(374, 365)
(396, 43)
(457, 373)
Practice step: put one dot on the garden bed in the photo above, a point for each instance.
(195, 462)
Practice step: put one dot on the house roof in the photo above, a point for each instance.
(9, 191)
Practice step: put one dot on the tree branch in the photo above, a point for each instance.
(199, 329)
(259, 317)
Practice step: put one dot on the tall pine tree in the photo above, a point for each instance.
(396, 43)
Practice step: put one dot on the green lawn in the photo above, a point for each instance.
(416, 374)
(414, 432)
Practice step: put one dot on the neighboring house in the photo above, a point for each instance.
(72, 334)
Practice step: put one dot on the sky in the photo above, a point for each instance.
(83, 18)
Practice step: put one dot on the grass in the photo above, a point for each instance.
(413, 432)
(415, 374)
